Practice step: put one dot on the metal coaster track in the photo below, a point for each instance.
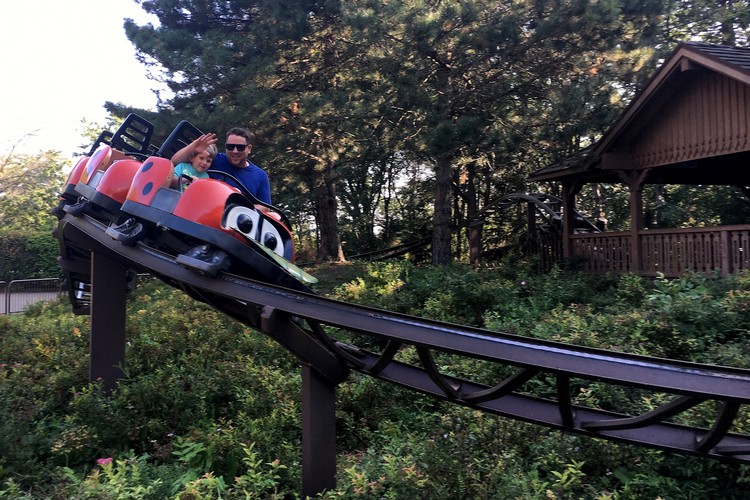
(298, 322)
(692, 383)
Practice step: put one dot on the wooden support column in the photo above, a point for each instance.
(726, 262)
(636, 225)
(570, 190)
(635, 182)
(107, 340)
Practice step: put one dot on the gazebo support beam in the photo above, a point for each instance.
(635, 180)
(570, 190)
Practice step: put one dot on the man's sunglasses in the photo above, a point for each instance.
(238, 147)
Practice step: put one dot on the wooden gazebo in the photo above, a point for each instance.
(689, 125)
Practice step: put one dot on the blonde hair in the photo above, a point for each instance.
(212, 151)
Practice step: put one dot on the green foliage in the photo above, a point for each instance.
(350, 98)
(693, 318)
(723, 21)
(118, 479)
(44, 249)
(210, 409)
(256, 482)
(669, 206)
(453, 293)
(28, 191)
(192, 386)
(346, 96)
(28, 256)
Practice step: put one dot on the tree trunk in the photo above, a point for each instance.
(441, 221)
(387, 205)
(473, 234)
(326, 209)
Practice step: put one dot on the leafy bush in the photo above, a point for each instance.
(194, 378)
(210, 408)
(693, 318)
(29, 256)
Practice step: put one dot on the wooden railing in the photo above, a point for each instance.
(724, 249)
(547, 247)
(602, 252)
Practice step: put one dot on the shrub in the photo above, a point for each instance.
(210, 408)
(26, 256)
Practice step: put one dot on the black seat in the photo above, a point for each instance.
(183, 134)
(133, 136)
(104, 138)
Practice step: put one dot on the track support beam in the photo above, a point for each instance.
(318, 433)
(107, 346)
(321, 373)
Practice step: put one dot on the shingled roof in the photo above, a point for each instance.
(646, 114)
(723, 55)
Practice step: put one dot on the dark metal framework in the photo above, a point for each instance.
(297, 321)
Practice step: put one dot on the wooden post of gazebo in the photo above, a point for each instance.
(570, 190)
(635, 181)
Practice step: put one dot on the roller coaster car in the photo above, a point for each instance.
(99, 182)
(103, 184)
(209, 226)
(68, 195)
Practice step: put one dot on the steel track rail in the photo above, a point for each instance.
(269, 308)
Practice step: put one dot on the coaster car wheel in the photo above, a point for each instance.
(79, 208)
(204, 259)
(129, 232)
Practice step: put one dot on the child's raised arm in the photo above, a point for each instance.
(200, 144)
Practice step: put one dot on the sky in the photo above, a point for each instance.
(60, 61)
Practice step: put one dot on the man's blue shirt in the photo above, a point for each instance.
(252, 177)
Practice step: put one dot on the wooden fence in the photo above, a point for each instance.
(724, 249)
